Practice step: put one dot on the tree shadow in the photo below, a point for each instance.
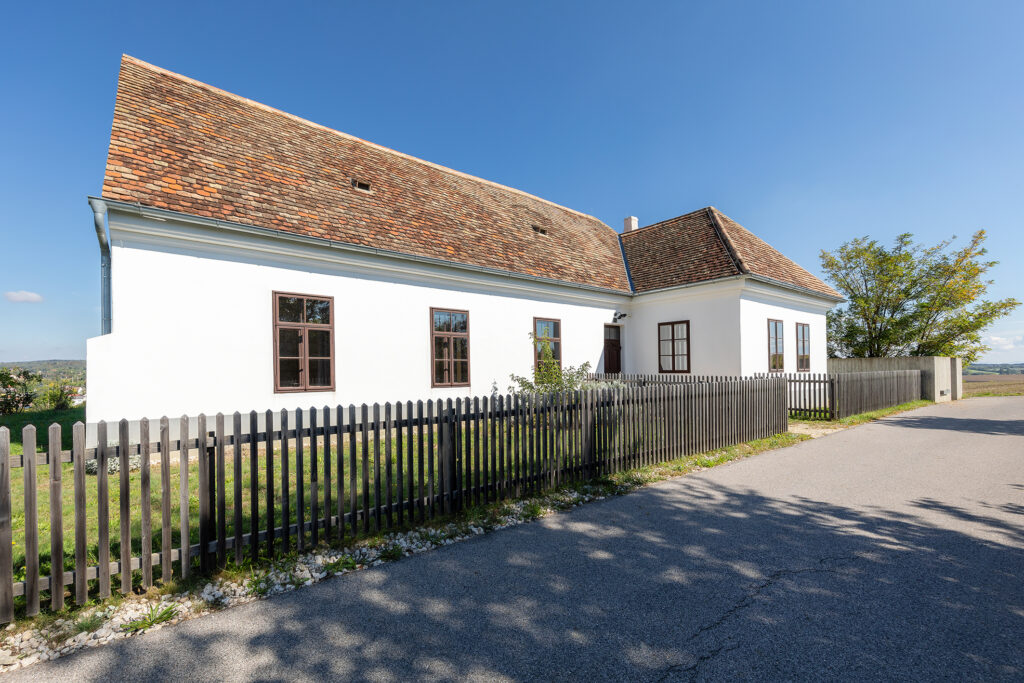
(962, 424)
(688, 579)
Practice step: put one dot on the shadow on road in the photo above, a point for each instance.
(710, 581)
(960, 424)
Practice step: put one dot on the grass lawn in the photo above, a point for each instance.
(42, 419)
(42, 487)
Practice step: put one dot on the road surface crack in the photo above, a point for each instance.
(826, 565)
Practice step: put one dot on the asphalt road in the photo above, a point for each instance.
(889, 551)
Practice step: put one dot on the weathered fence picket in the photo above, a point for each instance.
(28, 443)
(145, 522)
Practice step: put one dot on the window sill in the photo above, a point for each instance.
(314, 390)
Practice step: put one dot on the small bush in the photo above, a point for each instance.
(114, 465)
(548, 374)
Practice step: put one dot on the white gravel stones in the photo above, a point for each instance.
(96, 626)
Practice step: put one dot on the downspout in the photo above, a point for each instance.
(99, 212)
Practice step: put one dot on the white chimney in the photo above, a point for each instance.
(630, 224)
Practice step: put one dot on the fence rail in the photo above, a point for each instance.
(812, 396)
(328, 473)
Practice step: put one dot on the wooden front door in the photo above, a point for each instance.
(612, 348)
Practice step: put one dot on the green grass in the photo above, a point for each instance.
(42, 488)
(861, 418)
(88, 623)
(42, 419)
(155, 615)
(680, 466)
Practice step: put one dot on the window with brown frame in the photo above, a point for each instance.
(449, 348)
(303, 342)
(547, 330)
(674, 346)
(803, 347)
(776, 357)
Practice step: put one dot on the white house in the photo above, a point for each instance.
(254, 260)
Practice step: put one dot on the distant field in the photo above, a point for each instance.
(994, 385)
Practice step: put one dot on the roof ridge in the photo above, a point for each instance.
(281, 112)
(738, 225)
(734, 253)
(667, 220)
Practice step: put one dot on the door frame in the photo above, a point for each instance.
(605, 346)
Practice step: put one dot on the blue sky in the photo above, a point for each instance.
(808, 123)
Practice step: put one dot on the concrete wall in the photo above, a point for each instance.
(938, 373)
(956, 378)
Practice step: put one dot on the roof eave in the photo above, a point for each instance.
(743, 276)
(798, 288)
(164, 214)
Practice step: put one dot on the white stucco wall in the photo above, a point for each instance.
(192, 325)
(713, 312)
(757, 304)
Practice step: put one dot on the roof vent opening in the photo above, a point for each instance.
(361, 185)
(539, 230)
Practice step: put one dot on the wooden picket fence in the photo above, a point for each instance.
(860, 392)
(246, 490)
(643, 380)
(812, 396)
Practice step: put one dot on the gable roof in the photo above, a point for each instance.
(182, 145)
(707, 245)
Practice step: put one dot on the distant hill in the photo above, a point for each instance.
(70, 371)
(994, 369)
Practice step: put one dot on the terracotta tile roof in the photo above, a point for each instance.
(185, 146)
(707, 245)
(681, 250)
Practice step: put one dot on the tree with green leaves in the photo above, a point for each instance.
(16, 392)
(911, 299)
(548, 374)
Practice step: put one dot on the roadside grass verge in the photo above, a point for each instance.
(861, 418)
